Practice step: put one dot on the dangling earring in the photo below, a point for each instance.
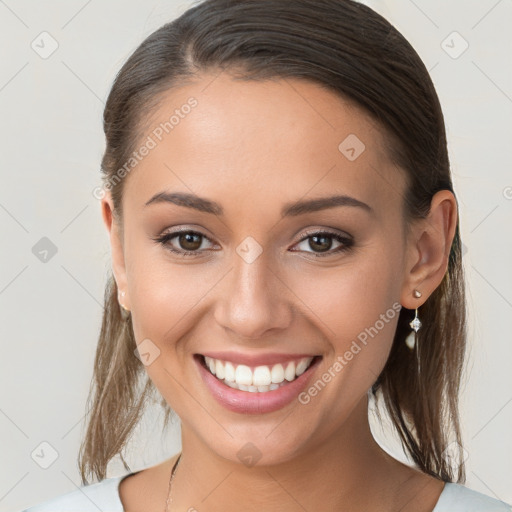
(415, 324)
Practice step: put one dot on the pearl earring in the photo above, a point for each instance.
(415, 324)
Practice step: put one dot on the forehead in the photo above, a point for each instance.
(273, 140)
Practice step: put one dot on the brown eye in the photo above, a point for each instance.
(320, 243)
(188, 243)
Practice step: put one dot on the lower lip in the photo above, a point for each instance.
(247, 402)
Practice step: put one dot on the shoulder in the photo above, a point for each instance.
(102, 496)
(458, 498)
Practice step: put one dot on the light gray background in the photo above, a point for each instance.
(51, 145)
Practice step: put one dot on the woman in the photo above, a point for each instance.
(285, 248)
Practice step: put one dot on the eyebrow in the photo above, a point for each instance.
(289, 209)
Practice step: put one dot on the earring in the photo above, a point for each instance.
(415, 324)
(125, 310)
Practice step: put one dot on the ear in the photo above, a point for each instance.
(111, 222)
(429, 243)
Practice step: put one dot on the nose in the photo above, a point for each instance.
(253, 299)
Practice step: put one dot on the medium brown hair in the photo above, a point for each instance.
(348, 48)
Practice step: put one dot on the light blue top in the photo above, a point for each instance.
(104, 496)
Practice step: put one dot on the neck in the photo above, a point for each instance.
(347, 470)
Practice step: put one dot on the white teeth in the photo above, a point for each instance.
(219, 369)
(289, 373)
(260, 379)
(277, 373)
(301, 367)
(261, 376)
(243, 375)
(229, 372)
(211, 364)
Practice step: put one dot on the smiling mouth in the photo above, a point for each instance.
(257, 379)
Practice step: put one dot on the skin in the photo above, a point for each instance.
(252, 147)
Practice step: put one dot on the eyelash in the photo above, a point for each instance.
(346, 242)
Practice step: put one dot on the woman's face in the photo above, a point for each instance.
(268, 282)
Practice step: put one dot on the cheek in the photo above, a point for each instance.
(357, 302)
(162, 292)
(166, 304)
(163, 297)
(357, 308)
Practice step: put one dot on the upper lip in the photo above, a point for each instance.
(255, 359)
